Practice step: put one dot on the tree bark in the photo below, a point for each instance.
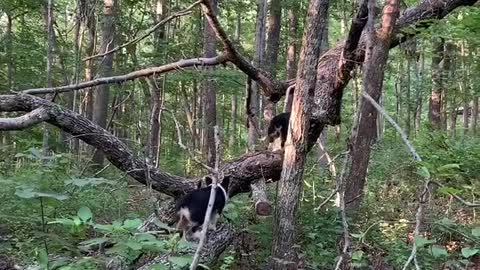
(253, 89)
(465, 87)
(373, 72)
(102, 93)
(434, 112)
(272, 43)
(209, 92)
(292, 52)
(89, 14)
(296, 147)
(49, 31)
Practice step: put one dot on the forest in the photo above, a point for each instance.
(240, 134)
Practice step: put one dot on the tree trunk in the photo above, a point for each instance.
(271, 51)
(105, 69)
(209, 91)
(90, 50)
(465, 87)
(233, 130)
(434, 112)
(408, 100)
(49, 30)
(284, 236)
(292, 51)
(363, 134)
(419, 71)
(474, 123)
(253, 89)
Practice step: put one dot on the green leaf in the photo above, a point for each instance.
(94, 241)
(42, 258)
(63, 221)
(29, 193)
(181, 261)
(134, 245)
(476, 232)
(423, 171)
(448, 167)
(448, 190)
(446, 221)
(357, 255)
(84, 213)
(145, 237)
(83, 182)
(131, 224)
(439, 251)
(159, 267)
(421, 241)
(468, 252)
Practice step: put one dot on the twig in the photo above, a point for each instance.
(326, 200)
(394, 124)
(208, 214)
(343, 214)
(425, 193)
(460, 199)
(180, 143)
(148, 32)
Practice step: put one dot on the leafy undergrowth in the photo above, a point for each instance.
(94, 218)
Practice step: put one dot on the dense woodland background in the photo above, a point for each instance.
(65, 206)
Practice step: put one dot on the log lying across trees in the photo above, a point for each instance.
(333, 74)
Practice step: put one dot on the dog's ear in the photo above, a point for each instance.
(199, 184)
(226, 182)
(208, 180)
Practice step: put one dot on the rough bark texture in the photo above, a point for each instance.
(253, 88)
(209, 91)
(296, 147)
(49, 31)
(365, 132)
(434, 112)
(105, 69)
(292, 52)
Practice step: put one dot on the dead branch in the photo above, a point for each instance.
(152, 71)
(213, 193)
(273, 89)
(184, 12)
(25, 121)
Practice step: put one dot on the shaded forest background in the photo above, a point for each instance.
(64, 205)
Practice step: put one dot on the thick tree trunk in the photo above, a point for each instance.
(49, 82)
(292, 52)
(274, 23)
(434, 112)
(373, 72)
(419, 71)
(296, 147)
(105, 69)
(253, 89)
(209, 92)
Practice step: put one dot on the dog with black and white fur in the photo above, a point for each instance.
(192, 207)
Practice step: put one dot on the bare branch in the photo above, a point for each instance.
(211, 200)
(403, 135)
(184, 63)
(272, 88)
(458, 198)
(148, 32)
(25, 121)
(184, 147)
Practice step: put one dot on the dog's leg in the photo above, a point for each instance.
(213, 222)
